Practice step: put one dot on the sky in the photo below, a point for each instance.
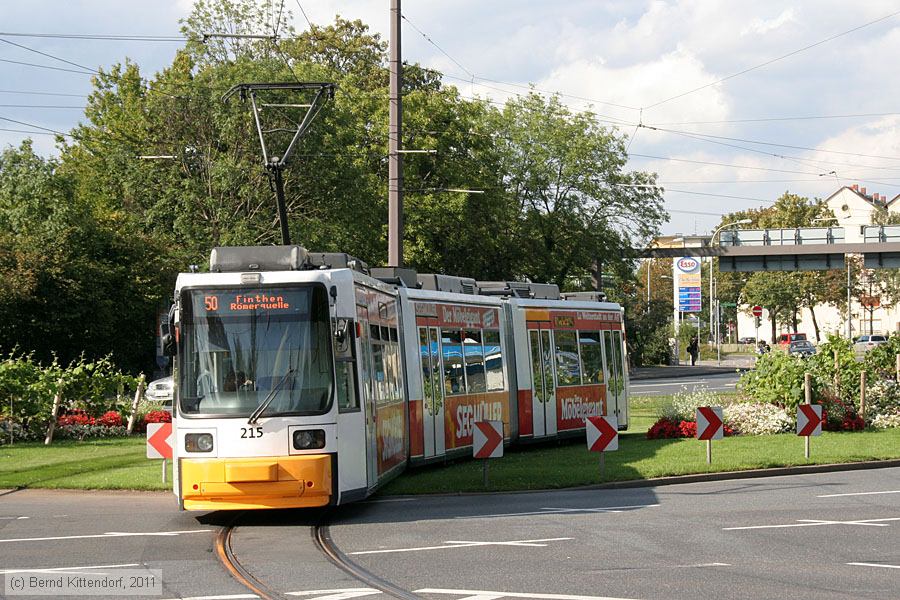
(802, 96)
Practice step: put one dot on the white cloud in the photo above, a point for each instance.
(761, 26)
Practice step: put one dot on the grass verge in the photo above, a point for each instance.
(121, 463)
(110, 464)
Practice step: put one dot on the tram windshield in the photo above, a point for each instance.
(243, 345)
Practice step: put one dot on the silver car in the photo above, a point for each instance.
(864, 343)
(161, 390)
(801, 348)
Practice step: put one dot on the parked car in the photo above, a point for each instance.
(864, 343)
(801, 348)
(161, 390)
(747, 340)
(785, 339)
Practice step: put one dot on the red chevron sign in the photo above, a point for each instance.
(159, 440)
(809, 420)
(709, 423)
(487, 439)
(602, 433)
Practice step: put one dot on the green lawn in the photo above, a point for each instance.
(570, 464)
(111, 464)
(121, 463)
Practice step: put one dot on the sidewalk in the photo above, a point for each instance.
(704, 367)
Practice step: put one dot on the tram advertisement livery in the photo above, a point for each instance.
(303, 380)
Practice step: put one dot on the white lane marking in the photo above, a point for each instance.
(859, 494)
(557, 511)
(482, 597)
(812, 523)
(484, 593)
(386, 500)
(13, 518)
(337, 594)
(874, 565)
(109, 534)
(464, 544)
(226, 597)
(712, 564)
(59, 569)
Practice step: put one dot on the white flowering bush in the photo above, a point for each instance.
(886, 421)
(882, 399)
(754, 418)
(684, 404)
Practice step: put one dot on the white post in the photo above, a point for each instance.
(57, 400)
(165, 474)
(709, 452)
(138, 394)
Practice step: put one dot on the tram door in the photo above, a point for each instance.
(615, 381)
(368, 389)
(432, 391)
(543, 387)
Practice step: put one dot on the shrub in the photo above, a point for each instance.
(837, 413)
(753, 418)
(80, 432)
(777, 379)
(158, 416)
(110, 419)
(882, 398)
(886, 421)
(684, 404)
(664, 428)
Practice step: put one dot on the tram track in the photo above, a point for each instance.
(321, 538)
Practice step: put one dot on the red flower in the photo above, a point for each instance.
(110, 419)
(158, 416)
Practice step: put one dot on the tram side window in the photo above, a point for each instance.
(591, 356)
(425, 359)
(378, 371)
(345, 369)
(454, 378)
(568, 366)
(392, 364)
(474, 353)
(493, 361)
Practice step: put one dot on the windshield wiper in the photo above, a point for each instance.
(257, 413)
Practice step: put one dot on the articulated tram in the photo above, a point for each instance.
(307, 379)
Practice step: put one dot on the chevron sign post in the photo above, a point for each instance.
(602, 436)
(809, 422)
(487, 442)
(710, 426)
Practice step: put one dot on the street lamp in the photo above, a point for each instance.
(714, 305)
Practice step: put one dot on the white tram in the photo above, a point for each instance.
(304, 380)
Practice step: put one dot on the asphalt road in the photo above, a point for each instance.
(830, 535)
(672, 385)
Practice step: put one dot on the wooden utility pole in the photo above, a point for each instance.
(395, 157)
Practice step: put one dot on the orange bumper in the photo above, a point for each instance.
(248, 483)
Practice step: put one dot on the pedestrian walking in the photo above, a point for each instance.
(694, 350)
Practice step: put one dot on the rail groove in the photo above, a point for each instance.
(231, 563)
(322, 538)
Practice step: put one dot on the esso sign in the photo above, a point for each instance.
(687, 264)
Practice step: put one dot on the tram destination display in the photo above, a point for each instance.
(224, 303)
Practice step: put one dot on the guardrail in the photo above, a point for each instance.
(881, 233)
(787, 237)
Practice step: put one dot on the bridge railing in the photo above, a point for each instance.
(785, 237)
(881, 233)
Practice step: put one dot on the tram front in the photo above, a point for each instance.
(255, 385)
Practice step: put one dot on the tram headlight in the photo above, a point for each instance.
(198, 442)
(309, 439)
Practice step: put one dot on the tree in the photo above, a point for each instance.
(576, 202)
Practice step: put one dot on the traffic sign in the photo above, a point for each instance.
(487, 439)
(728, 304)
(709, 423)
(159, 440)
(756, 311)
(809, 419)
(602, 434)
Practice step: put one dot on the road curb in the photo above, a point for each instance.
(691, 372)
(676, 479)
